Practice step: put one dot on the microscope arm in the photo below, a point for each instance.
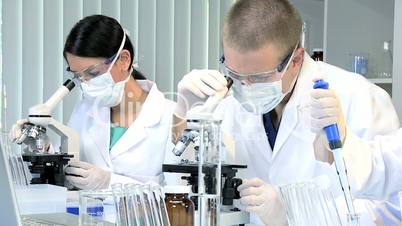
(41, 114)
(60, 93)
(70, 140)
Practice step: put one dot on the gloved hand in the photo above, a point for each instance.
(325, 110)
(87, 176)
(196, 87)
(16, 129)
(263, 200)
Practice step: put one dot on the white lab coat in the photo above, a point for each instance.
(368, 111)
(384, 178)
(383, 163)
(139, 154)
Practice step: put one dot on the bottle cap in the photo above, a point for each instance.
(317, 50)
(177, 189)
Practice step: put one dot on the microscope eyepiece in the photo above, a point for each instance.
(69, 84)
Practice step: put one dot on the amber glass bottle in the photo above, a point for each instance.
(318, 54)
(179, 206)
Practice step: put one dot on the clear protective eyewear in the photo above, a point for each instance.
(261, 77)
(92, 71)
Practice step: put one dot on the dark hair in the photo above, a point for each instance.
(251, 24)
(98, 36)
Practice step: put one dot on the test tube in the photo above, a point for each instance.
(120, 205)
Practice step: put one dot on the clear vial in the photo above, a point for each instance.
(385, 66)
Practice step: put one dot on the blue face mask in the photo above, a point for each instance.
(258, 98)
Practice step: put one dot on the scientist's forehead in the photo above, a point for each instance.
(77, 63)
(263, 59)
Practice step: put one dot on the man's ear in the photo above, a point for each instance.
(298, 57)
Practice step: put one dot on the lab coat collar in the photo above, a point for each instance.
(304, 83)
(150, 115)
(299, 100)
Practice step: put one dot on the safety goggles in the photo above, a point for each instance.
(92, 71)
(261, 77)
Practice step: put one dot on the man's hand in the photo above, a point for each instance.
(263, 200)
(325, 110)
(196, 87)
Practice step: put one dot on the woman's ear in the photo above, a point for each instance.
(124, 60)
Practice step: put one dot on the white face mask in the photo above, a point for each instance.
(258, 98)
(261, 98)
(102, 89)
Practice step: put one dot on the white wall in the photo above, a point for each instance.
(312, 11)
(358, 26)
(170, 37)
(397, 66)
(1, 78)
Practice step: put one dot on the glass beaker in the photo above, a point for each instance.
(360, 64)
(96, 207)
(209, 168)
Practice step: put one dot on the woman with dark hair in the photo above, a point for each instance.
(123, 121)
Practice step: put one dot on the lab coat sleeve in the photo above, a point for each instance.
(375, 166)
(371, 166)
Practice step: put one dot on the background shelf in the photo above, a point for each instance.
(381, 80)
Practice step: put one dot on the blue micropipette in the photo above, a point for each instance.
(335, 144)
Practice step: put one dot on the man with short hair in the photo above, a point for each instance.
(275, 117)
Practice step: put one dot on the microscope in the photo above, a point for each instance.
(214, 185)
(47, 167)
(229, 214)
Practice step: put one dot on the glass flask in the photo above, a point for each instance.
(385, 62)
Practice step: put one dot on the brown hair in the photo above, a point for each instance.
(251, 24)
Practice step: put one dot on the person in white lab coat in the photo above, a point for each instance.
(270, 114)
(123, 122)
(381, 167)
(379, 161)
